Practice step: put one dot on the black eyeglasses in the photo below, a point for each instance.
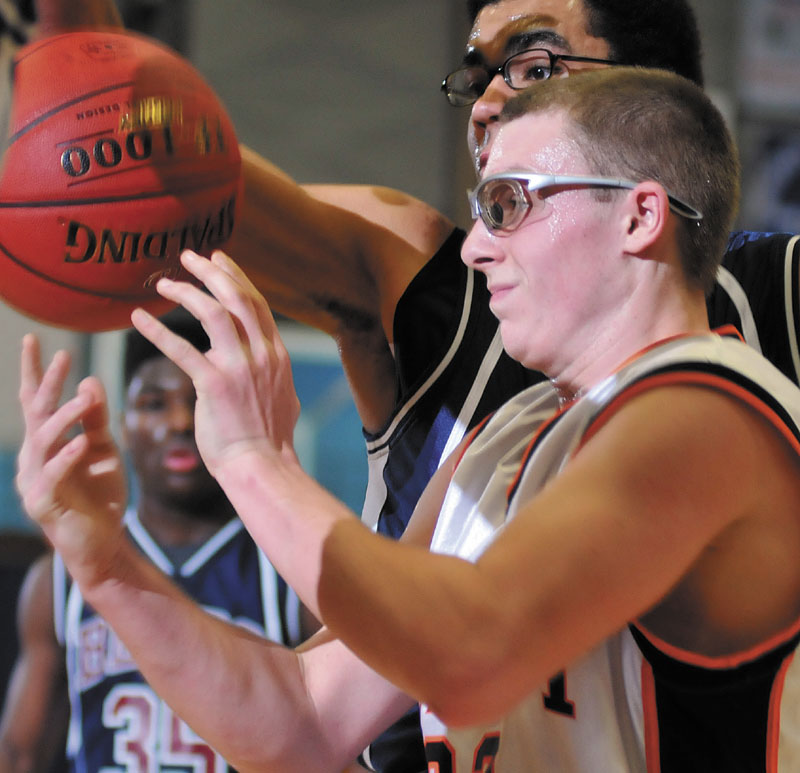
(467, 84)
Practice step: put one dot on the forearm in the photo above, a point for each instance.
(348, 575)
(242, 694)
(34, 720)
(59, 15)
(288, 514)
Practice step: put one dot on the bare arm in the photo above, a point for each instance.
(34, 720)
(676, 471)
(338, 258)
(333, 256)
(263, 706)
(675, 499)
(59, 15)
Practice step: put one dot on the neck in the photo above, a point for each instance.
(177, 524)
(642, 321)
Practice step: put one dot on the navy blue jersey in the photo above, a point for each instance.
(117, 722)
(452, 372)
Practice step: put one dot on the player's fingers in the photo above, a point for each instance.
(250, 309)
(47, 438)
(244, 305)
(224, 281)
(95, 418)
(30, 367)
(171, 345)
(37, 490)
(260, 304)
(40, 392)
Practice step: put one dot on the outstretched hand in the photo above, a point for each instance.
(74, 488)
(246, 400)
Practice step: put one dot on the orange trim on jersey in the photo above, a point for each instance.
(774, 719)
(729, 330)
(691, 378)
(470, 438)
(495, 734)
(724, 331)
(532, 444)
(652, 751)
(720, 662)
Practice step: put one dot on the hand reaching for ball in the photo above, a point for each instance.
(246, 401)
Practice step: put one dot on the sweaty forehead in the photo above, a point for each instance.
(506, 27)
(539, 142)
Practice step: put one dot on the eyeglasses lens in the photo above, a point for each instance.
(504, 204)
(465, 86)
(528, 67)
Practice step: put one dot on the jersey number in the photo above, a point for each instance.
(555, 699)
(148, 735)
(441, 755)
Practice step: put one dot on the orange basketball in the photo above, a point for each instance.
(120, 156)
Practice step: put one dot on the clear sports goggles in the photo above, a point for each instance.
(504, 200)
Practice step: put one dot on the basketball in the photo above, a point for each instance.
(120, 155)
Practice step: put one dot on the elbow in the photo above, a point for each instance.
(296, 747)
(475, 679)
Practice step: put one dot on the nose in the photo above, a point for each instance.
(487, 108)
(181, 416)
(480, 248)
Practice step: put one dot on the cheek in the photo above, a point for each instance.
(141, 432)
(474, 148)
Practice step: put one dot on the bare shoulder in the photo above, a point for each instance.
(416, 222)
(736, 475)
(337, 257)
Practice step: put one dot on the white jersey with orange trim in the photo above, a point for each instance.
(632, 704)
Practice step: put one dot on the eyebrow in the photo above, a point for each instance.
(521, 41)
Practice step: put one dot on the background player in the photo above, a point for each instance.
(185, 525)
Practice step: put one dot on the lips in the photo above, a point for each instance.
(182, 460)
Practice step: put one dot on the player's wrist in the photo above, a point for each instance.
(252, 465)
(99, 563)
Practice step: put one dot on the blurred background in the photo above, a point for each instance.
(349, 92)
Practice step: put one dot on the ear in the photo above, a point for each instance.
(646, 214)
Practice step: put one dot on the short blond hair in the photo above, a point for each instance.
(652, 125)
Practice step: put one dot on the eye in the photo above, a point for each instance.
(528, 67)
(503, 204)
(149, 403)
(536, 72)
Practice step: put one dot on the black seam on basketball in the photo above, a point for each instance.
(36, 46)
(112, 199)
(211, 178)
(59, 283)
(54, 111)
